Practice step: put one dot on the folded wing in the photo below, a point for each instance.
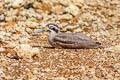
(74, 40)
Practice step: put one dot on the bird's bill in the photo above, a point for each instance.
(46, 29)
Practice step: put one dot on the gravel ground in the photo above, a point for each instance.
(27, 57)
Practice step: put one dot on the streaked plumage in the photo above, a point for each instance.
(69, 40)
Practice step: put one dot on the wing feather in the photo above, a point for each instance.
(71, 38)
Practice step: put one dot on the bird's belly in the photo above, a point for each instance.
(72, 46)
(75, 45)
(51, 42)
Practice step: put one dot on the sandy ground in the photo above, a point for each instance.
(27, 57)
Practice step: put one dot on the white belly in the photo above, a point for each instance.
(50, 40)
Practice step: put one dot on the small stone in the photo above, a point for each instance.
(117, 47)
(49, 75)
(26, 51)
(29, 30)
(65, 2)
(92, 3)
(79, 3)
(12, 45)
(18, 3)
(35, 71)
(60, 78)
(14, 57)
(24, 40)
(1, 37)
(38, 30)
(77, 30)
(109, 27)
(66, 17)
(28, 6)
(35, 50)
(84, 15)
(46, 5)
(29, 74)
(47, 70)
(2, 49)
(1, 10)
(110, 49)
(30, 24)
(36, 63)
(58, 9)
(74, 10)
(37, 5)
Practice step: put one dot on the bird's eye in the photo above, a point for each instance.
(53, 28)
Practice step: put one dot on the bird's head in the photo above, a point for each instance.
(53, 28)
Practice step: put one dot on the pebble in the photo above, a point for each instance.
(65, 16)
(117, 47)
(30, 31)
(26, 51)
(74, 10)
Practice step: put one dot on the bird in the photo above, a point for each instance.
(58, 39)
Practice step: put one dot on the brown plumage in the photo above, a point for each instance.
(69, 40)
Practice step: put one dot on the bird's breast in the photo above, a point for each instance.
(50, 39)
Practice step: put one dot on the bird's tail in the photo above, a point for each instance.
(99, 45)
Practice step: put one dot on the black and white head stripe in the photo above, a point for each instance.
(52, 25)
